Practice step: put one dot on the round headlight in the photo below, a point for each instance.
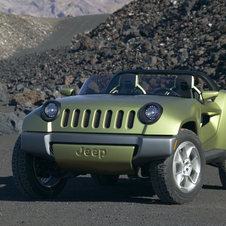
(50, 110)
(150, 113)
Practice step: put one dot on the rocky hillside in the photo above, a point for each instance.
(147, 34)
(20, 35)
(20, 32)
(59, 8)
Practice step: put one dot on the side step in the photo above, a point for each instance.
(215, 155)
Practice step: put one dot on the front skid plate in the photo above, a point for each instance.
(99, 159)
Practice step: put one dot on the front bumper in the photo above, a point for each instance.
(145, 148)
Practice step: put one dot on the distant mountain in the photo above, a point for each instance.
(60, 8)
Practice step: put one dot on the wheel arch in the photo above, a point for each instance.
(190, 126)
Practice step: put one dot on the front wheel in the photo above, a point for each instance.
(35, 177)
(179, 178)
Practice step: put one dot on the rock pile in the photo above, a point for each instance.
(145, 34)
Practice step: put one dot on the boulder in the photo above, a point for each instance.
(11, 123)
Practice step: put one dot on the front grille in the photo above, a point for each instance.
(108, 119)
(98, 119)
(65, 118)
(119, 119)
(131, 119)
(86, 118)
(76, 118)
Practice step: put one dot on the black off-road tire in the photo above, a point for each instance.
(105, 180)
(26, 179)
(179, 178)
(222, 173)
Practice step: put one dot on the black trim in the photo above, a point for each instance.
(44, 116)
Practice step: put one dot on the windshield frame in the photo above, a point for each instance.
(110, 81)
(201, 75)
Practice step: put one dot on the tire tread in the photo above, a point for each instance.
(22, 176)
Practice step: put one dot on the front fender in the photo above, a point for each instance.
(174, 116)
(33, 122)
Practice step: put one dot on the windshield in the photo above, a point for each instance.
(145, 84)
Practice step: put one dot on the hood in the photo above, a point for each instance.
(119, 100)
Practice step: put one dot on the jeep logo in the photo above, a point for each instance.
(96, 153)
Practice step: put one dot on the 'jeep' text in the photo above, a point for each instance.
(99, 153)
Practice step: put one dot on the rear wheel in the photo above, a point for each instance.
(222, 173)
(35, 177)
(105, 180)
(179, 178)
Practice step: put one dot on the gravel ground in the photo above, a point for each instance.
(84, 203)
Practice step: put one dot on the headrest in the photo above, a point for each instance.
(128, 80)
(184, 82)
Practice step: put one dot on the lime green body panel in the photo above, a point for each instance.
(209, 95)
(177, 112)
(32, 122)
(66, 92)
(214, 132)
(94, 159)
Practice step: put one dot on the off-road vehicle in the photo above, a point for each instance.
(165, 125)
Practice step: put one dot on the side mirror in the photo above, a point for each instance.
(207, 95)
(66, 92)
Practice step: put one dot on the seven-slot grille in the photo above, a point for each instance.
(98, 119)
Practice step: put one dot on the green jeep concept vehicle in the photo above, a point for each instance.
(161, 125)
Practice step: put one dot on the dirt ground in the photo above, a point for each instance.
(82, 202)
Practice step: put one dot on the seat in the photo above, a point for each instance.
(183, 85)
(128, 84)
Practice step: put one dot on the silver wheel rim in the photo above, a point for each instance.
(47, 182)
(186, 166)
